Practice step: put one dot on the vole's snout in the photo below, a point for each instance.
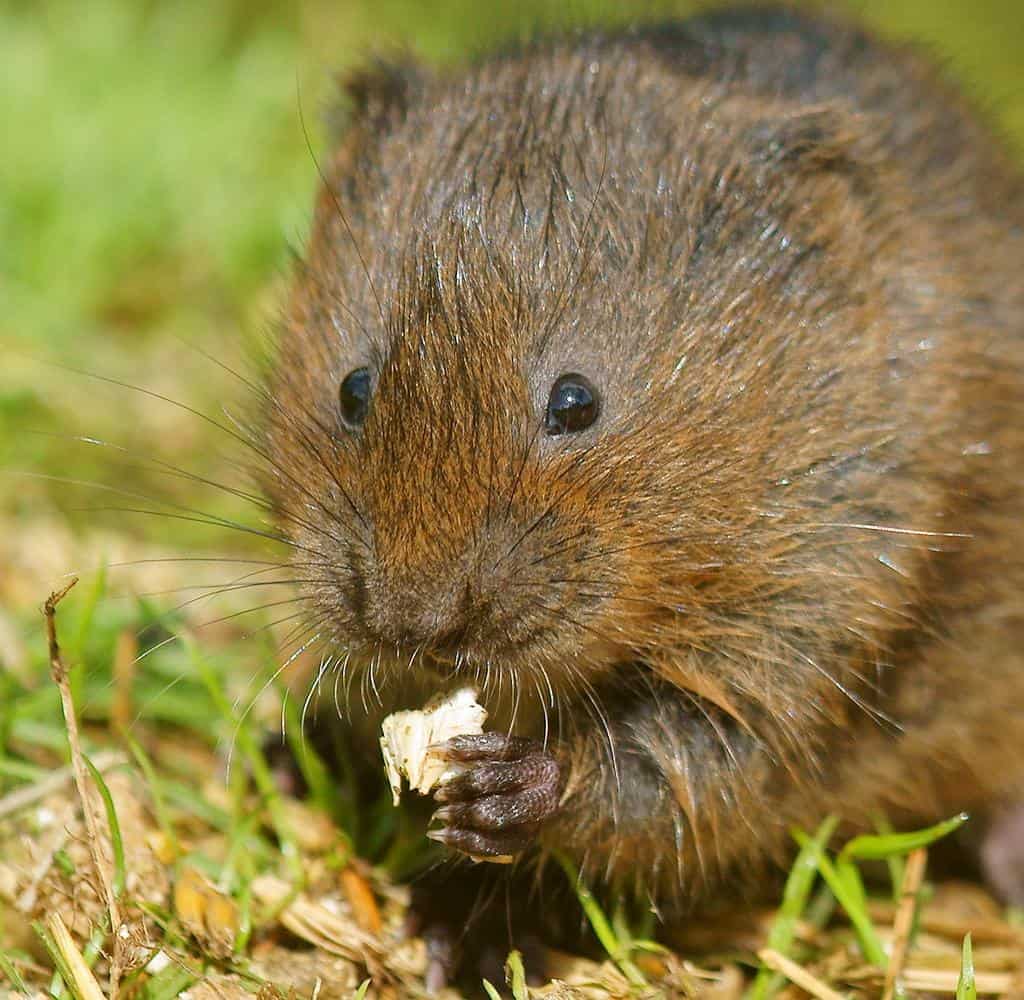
(448, 614)
(432, 612)
(493, 597)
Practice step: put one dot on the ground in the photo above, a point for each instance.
(155, 179)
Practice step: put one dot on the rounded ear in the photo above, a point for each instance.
(815, 169)
(815, 136)
(374, 92)
(822, 137)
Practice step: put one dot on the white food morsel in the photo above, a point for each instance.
(408, 736)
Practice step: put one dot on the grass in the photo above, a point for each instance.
(207, 880)
(155, 177)
(217, 840)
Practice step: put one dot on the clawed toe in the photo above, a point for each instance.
(486, 844)
(498, 794)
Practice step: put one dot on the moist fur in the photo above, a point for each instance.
(782, 574)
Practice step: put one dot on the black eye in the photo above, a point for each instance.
(354, 397)
(572, 405)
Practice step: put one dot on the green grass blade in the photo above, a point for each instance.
(801, 880)
(850, 899)
(322, 786)
(879, 847)
(261, 772)
(84, 631)
(894, 862)
(62, 861)
(61, 973)
(191, 802)
(116, 841)
(21, 772)
(966, 988)
(601, 925)
(516, 975)
(491, 992)
(10, 970)
(168, 983)
(854, 885)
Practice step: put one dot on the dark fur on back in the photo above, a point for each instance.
(782, 573)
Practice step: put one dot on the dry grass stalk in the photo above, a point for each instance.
(937, 981)
(103, 875)
(913, 874)
(320, 927)
(84, 986)
(798, 975)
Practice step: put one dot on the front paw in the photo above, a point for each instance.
(502, 791)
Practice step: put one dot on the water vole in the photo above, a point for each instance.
(669, 383)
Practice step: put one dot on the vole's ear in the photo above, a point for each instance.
(822, 138)
(375, 91)
(817, 169)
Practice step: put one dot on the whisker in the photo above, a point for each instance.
(201, 625)
(232, 433)
(122, 564)
(218, 589)
(873, 713)
(888, 529)
(325, 663)
(252, 703)
(210, 522)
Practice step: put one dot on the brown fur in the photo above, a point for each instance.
(783, 573)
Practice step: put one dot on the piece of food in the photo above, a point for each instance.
(407, 738)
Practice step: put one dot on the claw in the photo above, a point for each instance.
(494, 804)
(491, 846)
(442, 815)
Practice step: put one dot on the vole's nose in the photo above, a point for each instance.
(431, 613)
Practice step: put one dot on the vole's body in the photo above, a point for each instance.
(783, 572)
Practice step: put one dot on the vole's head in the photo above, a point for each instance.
(568, 348)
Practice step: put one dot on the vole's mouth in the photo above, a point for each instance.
(537, 665)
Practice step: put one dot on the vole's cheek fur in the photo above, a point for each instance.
(781, 572)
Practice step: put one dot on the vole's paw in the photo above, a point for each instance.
(505, 789)
(1002, 854)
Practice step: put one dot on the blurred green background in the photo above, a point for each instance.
(154, 179)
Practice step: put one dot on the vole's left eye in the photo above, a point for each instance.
(572, 406)
(354, 397)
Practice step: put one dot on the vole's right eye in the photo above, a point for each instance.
(354, 397)
(572, 406)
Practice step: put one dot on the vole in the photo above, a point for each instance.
(667, 384)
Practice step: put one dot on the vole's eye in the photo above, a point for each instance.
(572, 405)
(354, 397)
